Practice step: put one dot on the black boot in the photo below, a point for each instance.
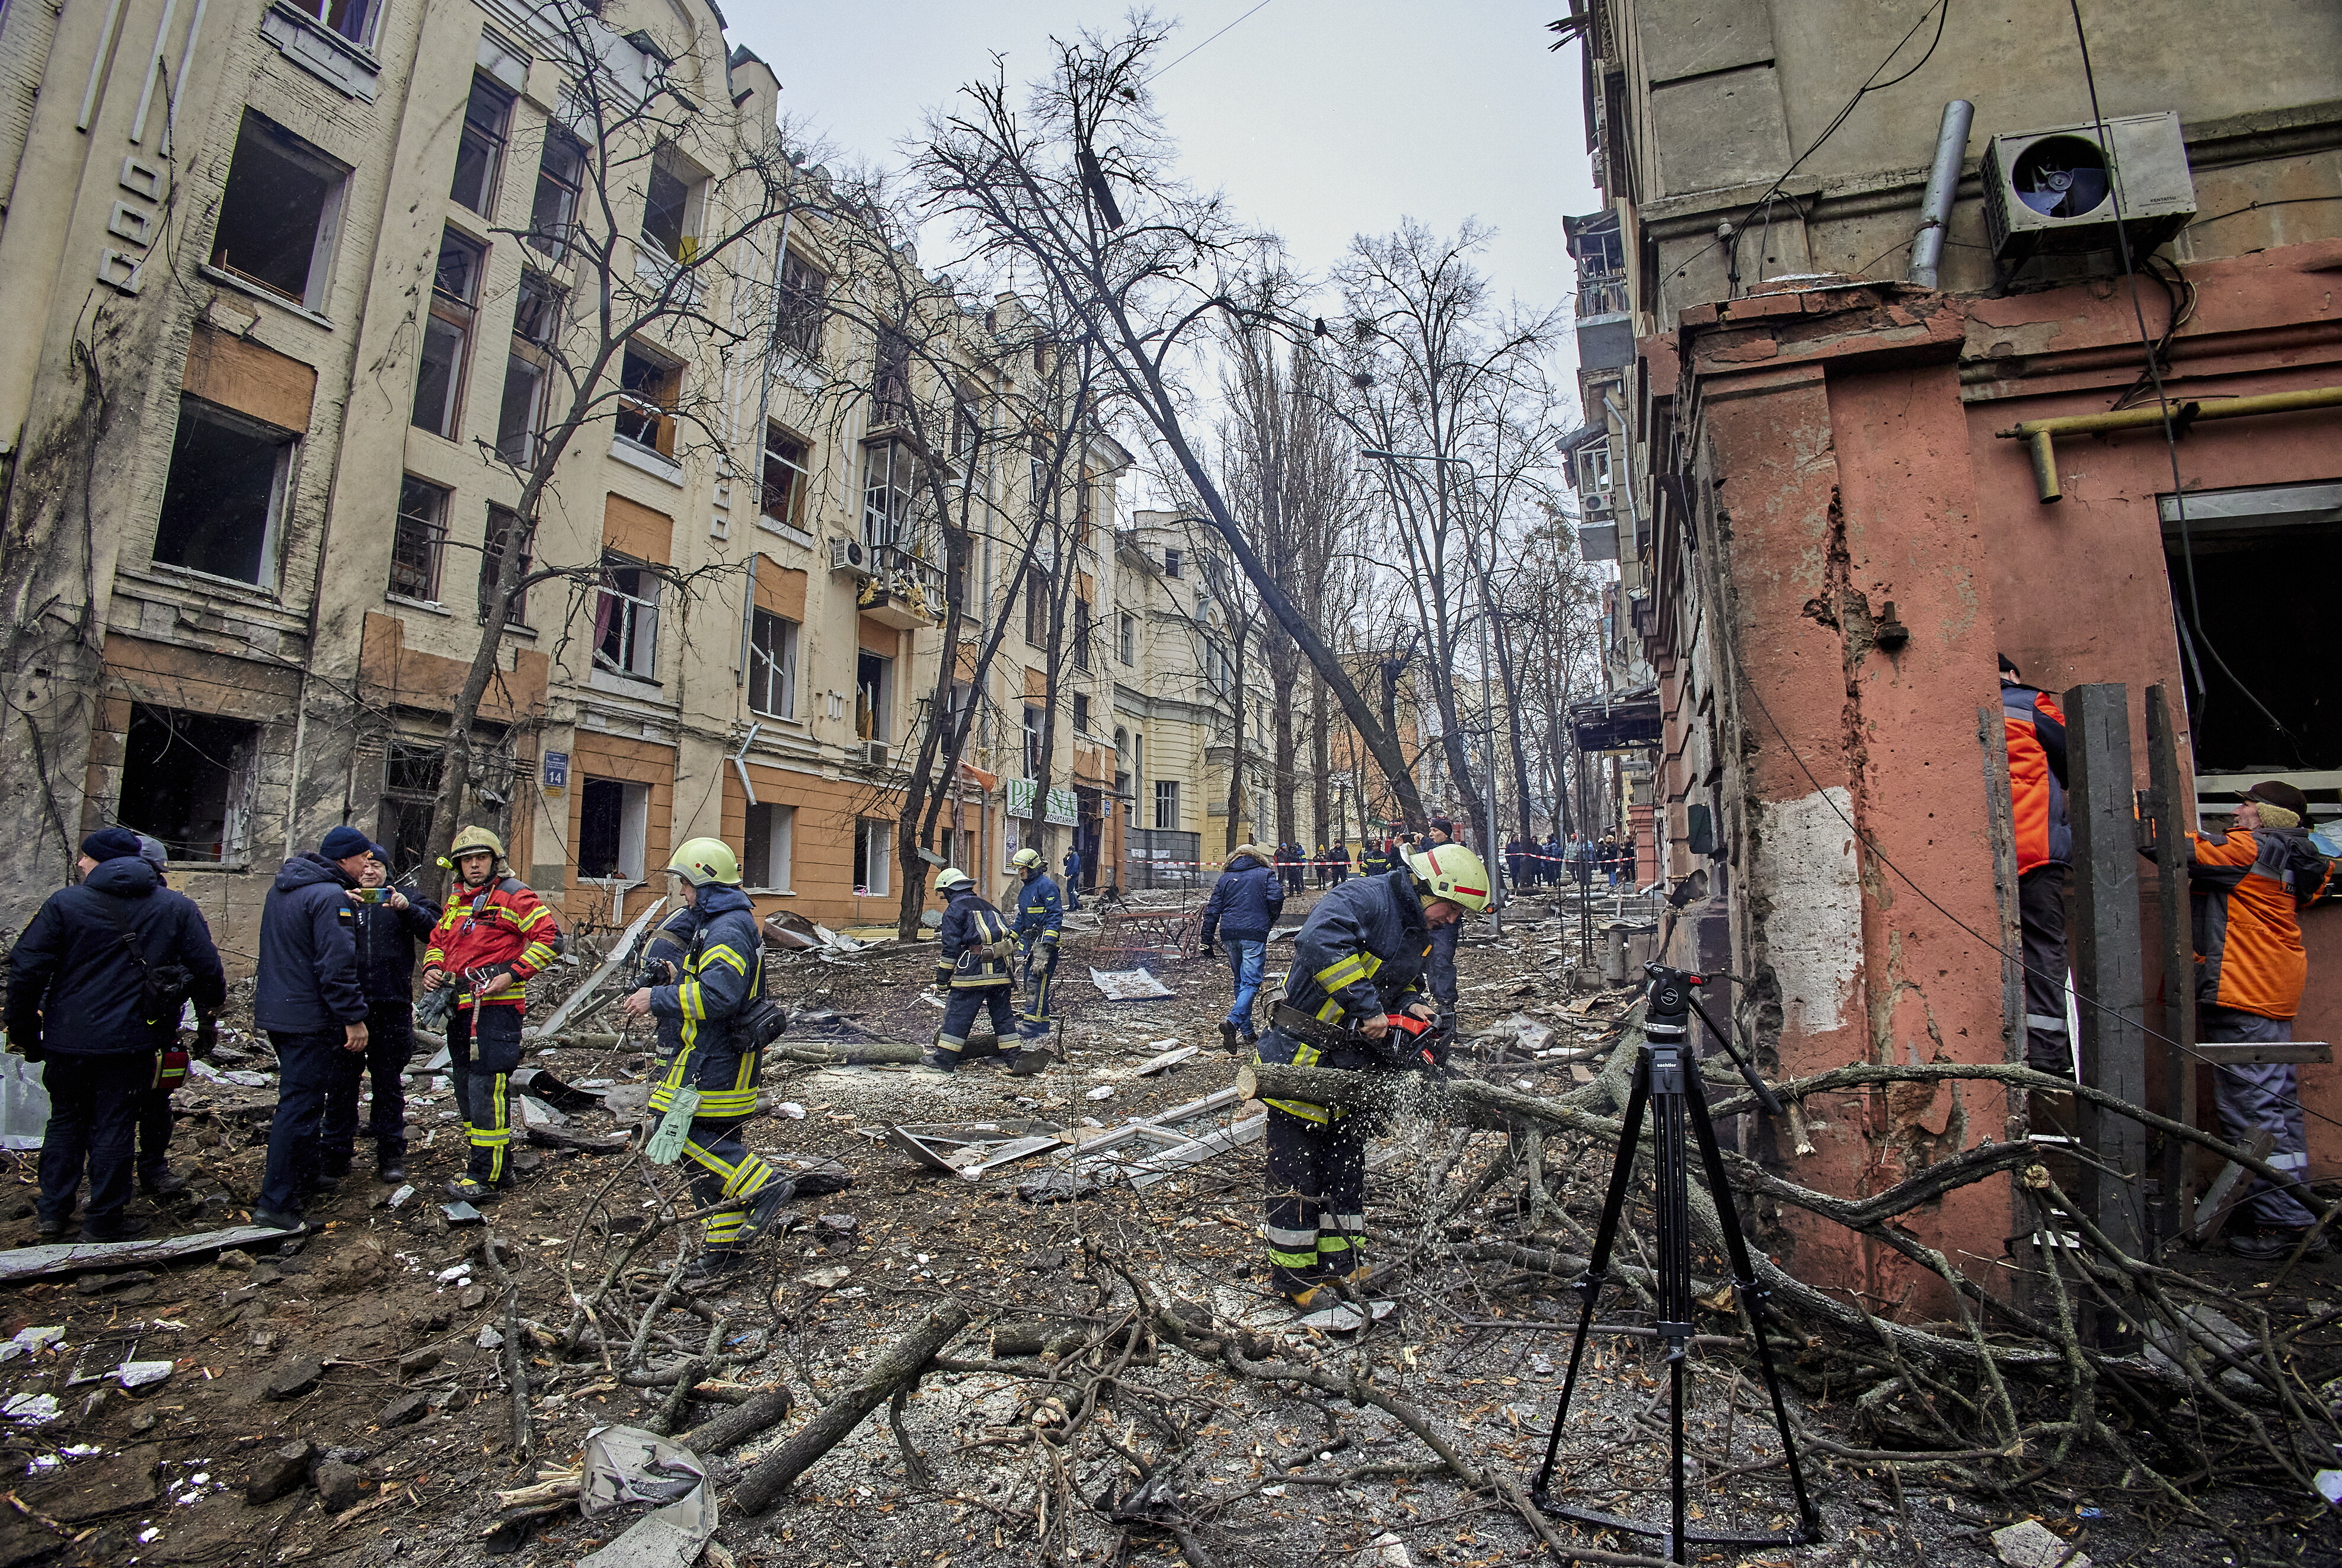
(390, 1166)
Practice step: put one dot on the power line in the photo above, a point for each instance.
(1212, 40)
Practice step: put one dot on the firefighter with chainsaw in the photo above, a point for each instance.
(1040, 918)
(975, 969)
(1356, 1001)
(494, 938)
(707, 986)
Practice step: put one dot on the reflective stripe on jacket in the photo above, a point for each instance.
(1038, 907)
(965, 958)
(1362, 952)
(502, 925)
(721, 974)
(2246, 889)
(2036, 732)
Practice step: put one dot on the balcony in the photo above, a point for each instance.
(903, 590)
(1601, 296)
(1606, 333)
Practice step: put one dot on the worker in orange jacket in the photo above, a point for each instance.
(2246, 886)
(2035, 733)
(493, 940)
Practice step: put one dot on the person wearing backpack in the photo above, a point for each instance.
(95, 987)
(975, 958)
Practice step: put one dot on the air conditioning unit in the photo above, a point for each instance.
(876, 753)
(2055, 192)
(846, 555)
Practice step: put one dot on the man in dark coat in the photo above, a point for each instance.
(311, 1002)
(389, 924)
(155, 1177)
(95, 987)
(1244, 906)
(1339, 852)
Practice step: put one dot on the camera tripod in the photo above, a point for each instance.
(1667, 1085)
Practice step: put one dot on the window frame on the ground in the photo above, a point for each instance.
(481, 145)
(772, 664)
(768, 847)
(625, 616)
(258, 139)
(650, 388)
(454, 315)
(418, 539)
(197, 546)
(193, 748)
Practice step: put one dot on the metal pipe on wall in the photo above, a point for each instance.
(1943, 184)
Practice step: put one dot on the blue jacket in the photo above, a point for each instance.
(308, 980)
(73, 989)
(1245, 902)
(1040, 913)
(1363, 951)
(385, 942)
(964, 955)
(721, 973)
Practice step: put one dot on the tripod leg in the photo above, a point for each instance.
(1606, 1236)
(1673, 1244)
(1743, 1285)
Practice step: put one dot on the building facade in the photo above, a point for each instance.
(309, 295)
(1825, 535)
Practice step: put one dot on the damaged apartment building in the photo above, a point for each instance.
(1854, 431)
(301, 289)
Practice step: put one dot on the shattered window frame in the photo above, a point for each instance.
(194, 530)
(267, 160)
(480, 147)
(419, 539)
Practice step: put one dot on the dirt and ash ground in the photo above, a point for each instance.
(367, 1339)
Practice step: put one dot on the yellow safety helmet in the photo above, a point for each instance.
(700, 860)
(1024, 858)
(953, 879)
(1451, 872)
(471, 841)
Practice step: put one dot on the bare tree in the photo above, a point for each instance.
(1077, 185)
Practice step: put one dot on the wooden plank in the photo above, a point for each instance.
(1169, 1059)
(2227, 1190)
(618, 955)
(2168, 806)
(2224, 1052)
(2109, 968)
(39, 1262)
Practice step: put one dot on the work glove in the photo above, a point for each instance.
(943, 976)
(206, 1035)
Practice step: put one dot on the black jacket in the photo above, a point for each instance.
(73, 989)
(308, 951)
(385, 942)
(1245, 902)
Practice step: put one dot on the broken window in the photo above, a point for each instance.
(666, 206)
(186, 780)
(888, 476)
(520, 416)
(410, 779)
(1081, 633)
(766, 844)
(1032, 740)
(804, 289)
(649, 387)
(480, 150)
(2248, 584)
(277, 212)
(626, 617)
(225, 500)
(613, 826)
(890, 383)
(560, 176)
(874, 683)
(873, 844)
(785, 477)
(354, 20)
(447, 336)
(504, 523)
(416, 546)
(773, 666)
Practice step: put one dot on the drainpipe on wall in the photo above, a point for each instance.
(740, 762)
(1942, 184)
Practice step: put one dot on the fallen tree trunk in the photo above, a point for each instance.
(900, 1362)
(718, 1435)
(842, 1054)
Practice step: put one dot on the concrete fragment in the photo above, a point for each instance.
(342, 1485)
(416, 1362)
(281, 1471)
(133, 1375)
(405, 1410)
(2029, 1543)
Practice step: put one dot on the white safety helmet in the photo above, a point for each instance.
(1451, 872)
(951, 879)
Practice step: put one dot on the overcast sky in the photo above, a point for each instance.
(1319, 120)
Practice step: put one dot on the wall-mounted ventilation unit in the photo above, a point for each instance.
(2055, 192)
(845, 555)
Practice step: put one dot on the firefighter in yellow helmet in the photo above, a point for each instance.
(1360, 961)
(1040, 920)
(706, 970)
